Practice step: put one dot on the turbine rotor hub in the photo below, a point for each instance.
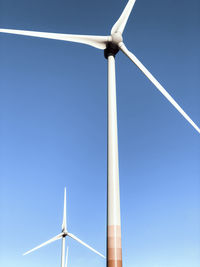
(112, 47)
(65, 233)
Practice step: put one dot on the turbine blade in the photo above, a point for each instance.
(64, 224)
(66, 261)
(95, 41)
(84, 244)
(45, 243)
(157, 84)
(121, 23)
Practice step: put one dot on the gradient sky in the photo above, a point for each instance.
(53, 133)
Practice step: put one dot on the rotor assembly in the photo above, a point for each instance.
(112, 47)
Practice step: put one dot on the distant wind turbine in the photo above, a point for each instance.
(111, 45)
(63, 235)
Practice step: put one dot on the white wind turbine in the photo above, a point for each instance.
(64, 233)
(111, 45)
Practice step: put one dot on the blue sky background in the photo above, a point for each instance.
(53, 133)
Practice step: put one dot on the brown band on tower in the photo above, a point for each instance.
(114, 248)
(114, 263)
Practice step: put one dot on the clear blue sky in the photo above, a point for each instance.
(53, 133)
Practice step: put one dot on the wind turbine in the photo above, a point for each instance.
(111, 45)
(64, 233)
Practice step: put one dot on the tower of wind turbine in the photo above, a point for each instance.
(111, 45)
(67, 254)
(64, 233)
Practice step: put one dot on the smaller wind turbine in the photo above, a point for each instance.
(62, 235)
